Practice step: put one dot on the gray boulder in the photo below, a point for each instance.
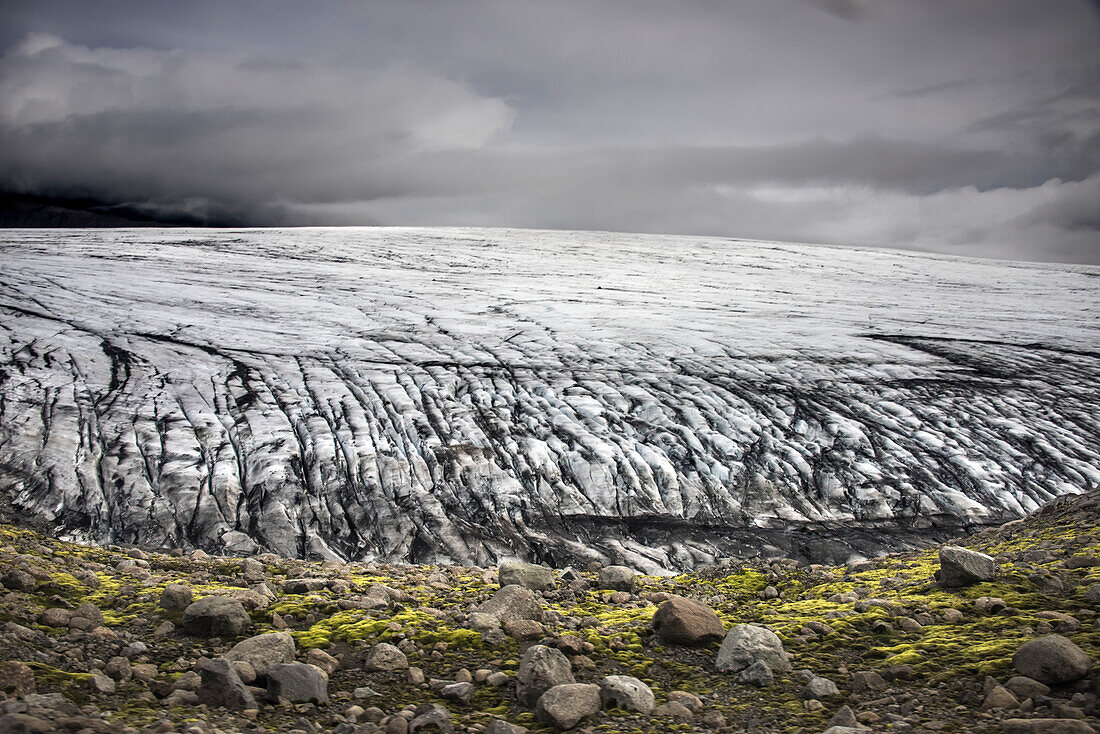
(216, 616)
(511, 603)
(617, 578)
(565, 705)
(758, 674)
(431, 717)
(682, 621)
(626, 692)
(386, 658)
(748, 643)
(819, 687)
(297, 683)
(1023, 687)
(263, 651)
(461, 692)
(175, 596)
(221, 686)
(540, 669)
(527, 575)
(962, 567)
(1052, 660)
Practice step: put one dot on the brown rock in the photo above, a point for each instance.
(682, 621)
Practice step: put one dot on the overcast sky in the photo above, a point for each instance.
(961, 126)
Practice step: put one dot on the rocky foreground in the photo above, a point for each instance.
(997, 632)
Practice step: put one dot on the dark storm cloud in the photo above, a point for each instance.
(967, 126)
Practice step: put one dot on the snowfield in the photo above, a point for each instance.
(464, 394)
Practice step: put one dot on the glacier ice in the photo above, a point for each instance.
(461, 395)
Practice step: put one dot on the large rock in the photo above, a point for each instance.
(17, 679)
(511, 603)
(386, 658)
(431, 717)
(263, 651)
(540, 669)
(961, 567)
(221, 686)
(749, 643)
(297, 683)
(626, 692)
(527, 575)
(681, 621)
(1052, 660)
(618, 578)
(216, 616)
(819, 687)
(175, 596)
(565, 705)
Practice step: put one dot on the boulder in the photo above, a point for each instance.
(263, 651)
(748, 643)
(618, 578)
(565, 705)
(511, 603)
(962, 567)
(216, 616)
(1052, 660)
(175, 596)
(431, 717)
(221, 686)
(999, 697)
(16, 679)
(626, 692)
(819, 688)
(540, 669)
(527, 575)
(297, 683)
(386, 658)
(681, 621)
(1023, 687)
(462, 692)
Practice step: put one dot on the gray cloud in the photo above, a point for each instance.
(967, 126)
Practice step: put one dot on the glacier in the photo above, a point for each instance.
(461, 395)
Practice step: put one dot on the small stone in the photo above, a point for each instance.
(689, 700)
(867, 680)
(1023, 687)
(461, 692)
(322, 660)
(565, 705)
(118, 668)
(845, 717)
(819, 688)
(499, 726)
(990, 604)
(1052, 660)
(1046, 726)
(626, 692)
(674, 710)
(1000, 698)
(385, 657)
(758, 674)
(713, 720)
(101, 684)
